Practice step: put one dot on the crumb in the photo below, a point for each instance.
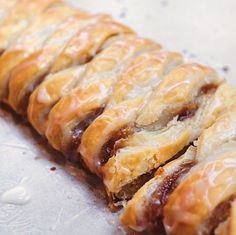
(53, 168)
(225, 69)
(123, 13)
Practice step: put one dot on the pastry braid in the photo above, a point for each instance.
(159, 131)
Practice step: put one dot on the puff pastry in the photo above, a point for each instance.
(19, 17)
(49, 92)
(210, 184)
(129, 95)
(159, 132)
(31, 40)
(156, 140)
(88, 100)
(87, 43)
(145, 209)
(32, 70)
(204, 196)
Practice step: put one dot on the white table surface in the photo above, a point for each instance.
(66, 201)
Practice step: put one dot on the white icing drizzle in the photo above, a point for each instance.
(19, 195)
(43, 96)
(176, 85)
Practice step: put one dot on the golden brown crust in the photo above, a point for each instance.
(30, 72)
(144, 210)
(129, 95)
(177, 90)
(206, 190)
(24, 12)
(208, 184)
(143, 153)
(49, 92)
(94, 92)
(94, 35)
(30, 41)
(63, 82)
(147, 149)
(126, 109)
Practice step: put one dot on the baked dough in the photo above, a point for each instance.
(209, 184)
(192, 207)
(145, 210)
(19, 17)
(49, 92)
(31, 40)
(85, 45)
(60, 84)
(90, 97)
(159, 132)
(129, 95)
(220, 132)
(66, 80)
(157, 140)
(32, 70)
